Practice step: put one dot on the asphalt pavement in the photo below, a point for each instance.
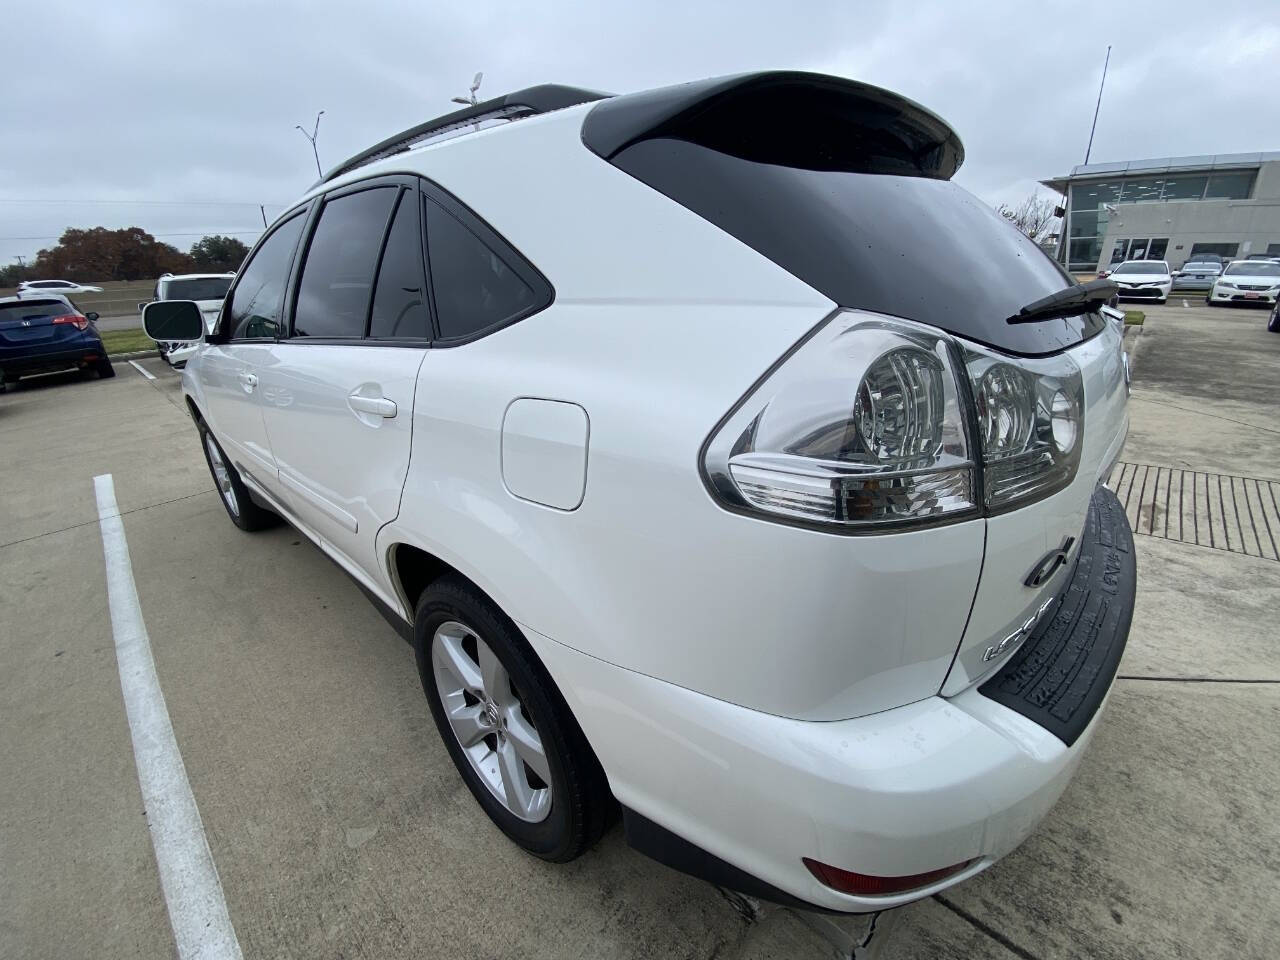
(339, 827)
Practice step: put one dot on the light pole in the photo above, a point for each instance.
(312, 137)
(471, 101)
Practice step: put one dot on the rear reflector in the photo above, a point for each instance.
(864, 885)
(80, 323)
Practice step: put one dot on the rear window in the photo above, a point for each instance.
(198, 288)
(33, 310)
(909, 246)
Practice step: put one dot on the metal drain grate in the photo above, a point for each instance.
(1216, 510)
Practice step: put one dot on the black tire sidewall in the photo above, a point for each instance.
(557, 837)
(251, 516)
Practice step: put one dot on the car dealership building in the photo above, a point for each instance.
(1170, 208)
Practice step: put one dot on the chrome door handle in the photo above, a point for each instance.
(376, 406)
(249, 380)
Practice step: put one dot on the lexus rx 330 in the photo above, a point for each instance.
(726, 464)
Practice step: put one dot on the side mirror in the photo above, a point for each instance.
(91, 317)
(173, 321)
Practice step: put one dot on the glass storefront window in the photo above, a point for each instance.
(1084, 223)
(1141, 191)
(1184, 188)
(1083, 254)
(1230, 186)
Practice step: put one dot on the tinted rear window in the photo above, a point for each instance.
(909, 246)
(33, 310)
(198, 288)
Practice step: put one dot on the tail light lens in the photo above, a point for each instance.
(870, 424)
(79, 322)
(861, 427)
(1030, 424)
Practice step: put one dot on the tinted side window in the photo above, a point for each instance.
(399, 301)
(474, 287)
(258, 299)
(337, 277)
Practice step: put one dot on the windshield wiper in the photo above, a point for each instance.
(1067, 303)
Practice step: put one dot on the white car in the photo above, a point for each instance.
(1143, 280)
(63, 287)
(1247, 281)
(208, 290)
(699, 483)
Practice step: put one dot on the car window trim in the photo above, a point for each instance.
(515, 260)
(223, 336)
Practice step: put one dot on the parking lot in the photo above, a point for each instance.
(340, 828)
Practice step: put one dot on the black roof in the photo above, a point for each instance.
(522, 103)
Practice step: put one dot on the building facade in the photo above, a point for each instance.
(1170, 208)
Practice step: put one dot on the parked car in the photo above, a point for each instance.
(47, 334)
(1196, 275)
(1246, 281)
(1143, 280)
(699, 484)
(63, 287)
(207, 290)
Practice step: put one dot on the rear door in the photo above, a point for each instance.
(230, 368)
(338, 392)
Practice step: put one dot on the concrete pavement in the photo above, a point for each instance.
(340, 828)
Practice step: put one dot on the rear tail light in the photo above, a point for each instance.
(876, 422)
(861, 427)
(1030, 422)
(79, 322)
(865, 885)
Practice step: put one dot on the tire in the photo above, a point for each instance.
(240, 506)
(1273, 322)
(559, 825)
(105, 370)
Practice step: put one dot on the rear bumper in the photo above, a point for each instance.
(28, 363)
(901, 792)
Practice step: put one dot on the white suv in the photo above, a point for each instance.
(207, 290)
(722, 460)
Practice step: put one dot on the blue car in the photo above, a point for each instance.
(47, 333)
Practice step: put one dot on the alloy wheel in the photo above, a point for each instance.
(221, 475)
(490, 722)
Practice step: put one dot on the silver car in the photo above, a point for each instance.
(1197, 275)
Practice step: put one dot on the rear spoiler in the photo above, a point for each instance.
(801, 119)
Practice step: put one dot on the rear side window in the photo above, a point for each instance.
(258, 299)
(476, 286)
(399, 298)
(337, 277)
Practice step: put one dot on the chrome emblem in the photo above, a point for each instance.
(1015, 638)
(26, 323)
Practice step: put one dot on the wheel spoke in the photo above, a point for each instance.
(494, 674)
(450, 655)
(527, 743)
(465, 721)
(515, 783)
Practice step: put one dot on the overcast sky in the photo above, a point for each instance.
(154, 101)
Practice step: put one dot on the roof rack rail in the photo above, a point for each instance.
(522, 103)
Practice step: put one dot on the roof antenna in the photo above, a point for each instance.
(1098, 106)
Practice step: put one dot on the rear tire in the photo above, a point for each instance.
(235, 497)
(458, 630)
(105, 370)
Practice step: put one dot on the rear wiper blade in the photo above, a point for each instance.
(1067, 303)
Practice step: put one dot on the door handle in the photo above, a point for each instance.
(375, 406)
(249, 381)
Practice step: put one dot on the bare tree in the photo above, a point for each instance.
(1035, 216)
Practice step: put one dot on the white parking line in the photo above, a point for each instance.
(192, 891)
(142, 370)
